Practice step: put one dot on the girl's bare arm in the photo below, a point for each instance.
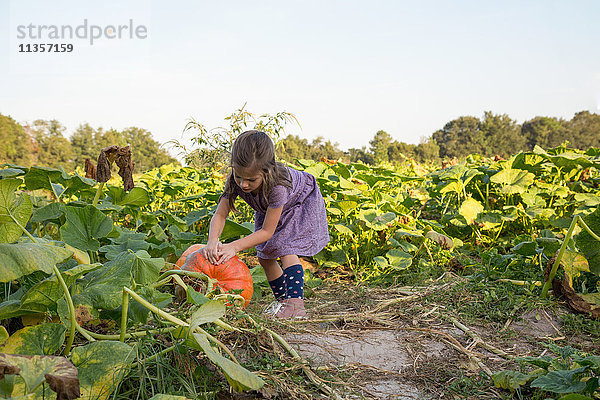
(217, 223)
(262, 235)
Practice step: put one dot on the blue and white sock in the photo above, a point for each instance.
(294, 280)
(279, 288)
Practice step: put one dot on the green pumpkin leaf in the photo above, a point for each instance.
(238, 377)
(51, 212)
(43, 295)
(103, 288)
(343, 229)
(513, 181)
(77, 183)
(13, 206)
(398, 259)
(561, 381)
(3, 334)
(195, 297)
(526, 248)
(133, 241)
(137, 197)
(84, 226)
(11, 173)
(510, 380)
(101, 365)
(42, 178)
(21, 259)
(589, 246)
(575, 396)
(470, 209)
(43, 339)
(376, 221)
(208, 312)
(234, 230)
(346, 206)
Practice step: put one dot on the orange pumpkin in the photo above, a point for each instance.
(186, 253)
(230, 275)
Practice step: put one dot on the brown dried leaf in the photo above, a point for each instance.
(58, 372)
(574, 300)
(126, 166)
(90, 169)
(444, 241)
(8, 369)
(122, 157)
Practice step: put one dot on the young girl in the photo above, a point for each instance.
(290, 219)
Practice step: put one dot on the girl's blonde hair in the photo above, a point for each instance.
(255, 150)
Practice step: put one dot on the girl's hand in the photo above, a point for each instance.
(212, 251)
(227, 252)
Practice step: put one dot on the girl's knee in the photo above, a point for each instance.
(289, 260)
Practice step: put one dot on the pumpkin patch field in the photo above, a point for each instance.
(482, 277)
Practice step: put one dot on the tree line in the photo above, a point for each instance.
(44, 143)
(491, 135)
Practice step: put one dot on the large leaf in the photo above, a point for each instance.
(43, 295)
(399, 259)
(589, 246)
(470, 209)
(58, 372)
(21, 259)
(513, 180)
(84, 226)
(103, 287)
(133, 241)
(376, 221)
(233, 230)
(51, 212)
(42, 178)
(13, 206)
(208, 312)
(102, 365)
(510, 380)
(137, 197)
(44, 339)
(561, 381)
(238, 377)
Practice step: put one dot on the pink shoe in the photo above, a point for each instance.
(291, 308)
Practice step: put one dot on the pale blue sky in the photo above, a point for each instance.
(345, 68)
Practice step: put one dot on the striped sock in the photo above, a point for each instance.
(294, 279)
(278, 287)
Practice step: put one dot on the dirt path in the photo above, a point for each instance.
(408, 343)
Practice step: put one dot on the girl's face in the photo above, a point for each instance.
(249, 180)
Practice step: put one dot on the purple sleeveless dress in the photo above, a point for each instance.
(302, 227)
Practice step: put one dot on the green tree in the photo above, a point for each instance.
(16, 143)
(584, 130)
(83, 145)
(361, 155)
(427, 151)
(459, 137)
(146, 152)
(503, 135)
(53, 149)
(546, 132)
(379, 146)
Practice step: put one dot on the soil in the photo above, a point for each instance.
(401, 342)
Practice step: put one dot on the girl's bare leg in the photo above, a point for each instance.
(271, 267)
(288, 261)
